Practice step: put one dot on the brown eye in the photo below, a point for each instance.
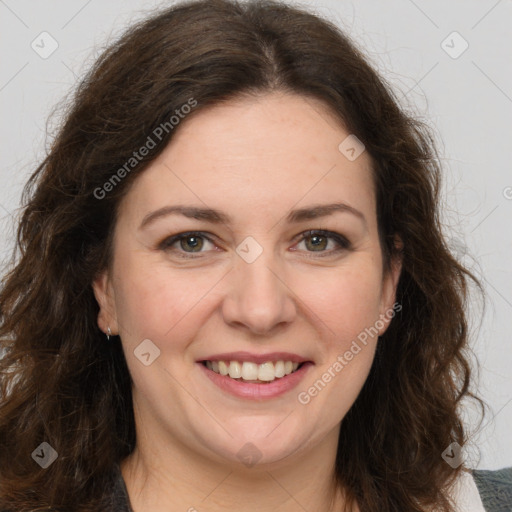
(319, 240)
(189, 243)
(316, 242)
(194, 242)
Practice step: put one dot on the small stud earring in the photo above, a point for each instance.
(109, 333)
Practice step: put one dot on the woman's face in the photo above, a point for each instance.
(252, 176)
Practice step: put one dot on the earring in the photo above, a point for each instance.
(109, 333)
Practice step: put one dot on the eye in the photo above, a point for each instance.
(317, 240)
(189, 242)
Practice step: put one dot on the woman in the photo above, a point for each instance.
(238, 203)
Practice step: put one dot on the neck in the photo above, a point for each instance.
(175, 478)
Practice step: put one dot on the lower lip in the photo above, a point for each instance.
(256, 391)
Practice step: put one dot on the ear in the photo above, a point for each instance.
(104, 293)
(389, 286)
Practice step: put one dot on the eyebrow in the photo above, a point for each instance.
(217, 217)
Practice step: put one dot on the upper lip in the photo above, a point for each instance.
(242, 356)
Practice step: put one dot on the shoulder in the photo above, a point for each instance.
(118, 500)
(495, 488)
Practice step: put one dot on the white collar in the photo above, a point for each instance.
(465, 494)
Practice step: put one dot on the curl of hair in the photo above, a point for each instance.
(60, 382)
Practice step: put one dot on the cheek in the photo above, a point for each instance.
(347, 303)
(346, 300)
(152, 300)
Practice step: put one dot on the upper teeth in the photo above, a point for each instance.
(267, 371)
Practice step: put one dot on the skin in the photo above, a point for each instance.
(254, 159)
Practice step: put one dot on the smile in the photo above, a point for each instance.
(251, 372)
(238, 379)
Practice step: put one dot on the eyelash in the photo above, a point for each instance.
(343, 243)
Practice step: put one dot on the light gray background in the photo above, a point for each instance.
(468, 99)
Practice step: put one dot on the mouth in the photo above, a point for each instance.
(255, 381)
(253, 373)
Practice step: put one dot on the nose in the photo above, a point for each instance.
(258, 298)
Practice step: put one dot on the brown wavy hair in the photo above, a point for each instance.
(60, 382)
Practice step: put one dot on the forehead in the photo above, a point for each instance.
(275, 151)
